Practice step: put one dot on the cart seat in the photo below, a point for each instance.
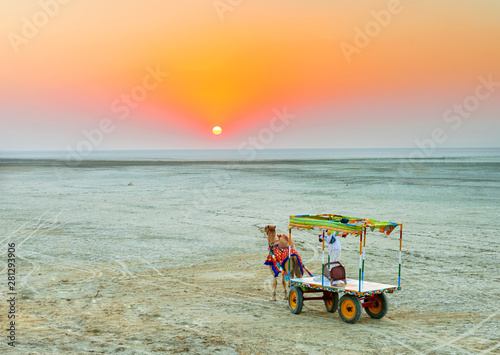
(336, 273)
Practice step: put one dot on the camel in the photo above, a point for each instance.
(278, 244)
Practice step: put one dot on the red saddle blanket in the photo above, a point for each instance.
(281, 256)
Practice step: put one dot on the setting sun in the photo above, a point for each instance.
(217, 130)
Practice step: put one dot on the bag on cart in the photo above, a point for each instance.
(336, 273)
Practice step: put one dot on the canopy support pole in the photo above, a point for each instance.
(360, 258)
(364, 248)
(289, 254)
(323, 262)
(399, 253)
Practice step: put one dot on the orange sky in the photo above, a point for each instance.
(263, 55)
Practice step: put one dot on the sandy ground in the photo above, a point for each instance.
(162, 259)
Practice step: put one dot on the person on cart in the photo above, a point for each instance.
(334, 247)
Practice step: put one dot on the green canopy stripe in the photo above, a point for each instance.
(332, 222)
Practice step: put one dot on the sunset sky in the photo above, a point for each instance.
(160, 74)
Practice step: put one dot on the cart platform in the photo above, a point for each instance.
(351, 288)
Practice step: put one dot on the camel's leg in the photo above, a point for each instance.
(284, 288)
(275, 284)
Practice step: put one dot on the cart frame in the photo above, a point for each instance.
(357, 294)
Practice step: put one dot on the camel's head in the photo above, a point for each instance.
(271, 234)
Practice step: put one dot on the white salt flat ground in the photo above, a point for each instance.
(129, 258)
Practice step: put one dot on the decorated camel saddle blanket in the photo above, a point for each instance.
(281, 257)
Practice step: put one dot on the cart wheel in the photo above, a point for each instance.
(295, 300)
(331, 301)
(379, 309)
(350, 308)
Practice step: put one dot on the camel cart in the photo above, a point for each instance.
(356, 293)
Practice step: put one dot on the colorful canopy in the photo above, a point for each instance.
(335, 222)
